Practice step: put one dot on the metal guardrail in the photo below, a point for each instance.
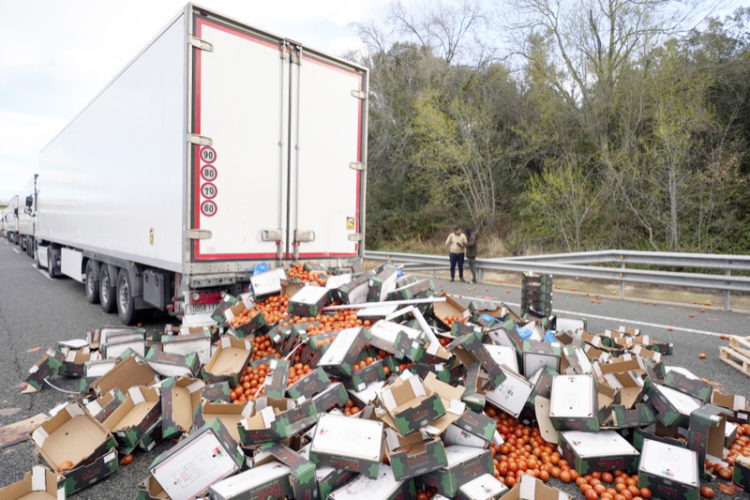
(576, 265)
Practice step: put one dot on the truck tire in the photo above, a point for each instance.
(107, 290)
(125, 300)
(92, 281)
(51, 263)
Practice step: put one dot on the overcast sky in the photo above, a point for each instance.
(57, 55)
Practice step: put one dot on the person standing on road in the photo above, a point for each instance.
(456, 244)
(471, 252)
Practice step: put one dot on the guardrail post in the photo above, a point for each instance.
(727, 299)
(622, 275)
(480, 275)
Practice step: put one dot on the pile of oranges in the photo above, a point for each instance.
(338, 321)
(449, 320)
(298, 371)
(617, 485)
(351, 409)
(298, 271)
(243, 318)
(274, 308)
(364, 364)
(262, 347)
(252, 380)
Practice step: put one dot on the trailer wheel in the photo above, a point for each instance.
(125, 301)
(107, 290)
(51, 263)
(92, 281)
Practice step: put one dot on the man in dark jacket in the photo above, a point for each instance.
(471, 252)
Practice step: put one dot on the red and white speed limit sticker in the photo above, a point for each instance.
(208, 208)
(208, 190)
(209, 173)
(208, 154)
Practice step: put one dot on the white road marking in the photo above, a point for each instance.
(43, 272)
(608, 318)
(16, 250)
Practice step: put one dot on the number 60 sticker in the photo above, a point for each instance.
(208, 208)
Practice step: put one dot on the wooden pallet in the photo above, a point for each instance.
(740, 344)
(735, 359)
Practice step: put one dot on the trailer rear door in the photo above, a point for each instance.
(240, 102)
(328, 108)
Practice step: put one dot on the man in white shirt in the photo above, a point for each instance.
(456, 244)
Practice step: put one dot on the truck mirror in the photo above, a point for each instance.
(29, 201)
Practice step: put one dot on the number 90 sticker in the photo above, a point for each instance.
(208, 190)
(208, 172)
(208, 154)
(208, 208)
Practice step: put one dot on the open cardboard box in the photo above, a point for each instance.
(102, 407)
(471, 345)
(348, 443)
(416, 289)
(173, 365)
(228, 361)
(116, 344)
(573, 403)
(537, 354)
(75, 436)
(504, 355)
(382, 487)
(464, 464)
(484, 487)
(275, 382)
(48, 366)
(741, 476)
(202, 458)
(267, 283)
(575, 361)
(706, 431)
(380, 285)
(308, 301)
(410, 404)
(672, 407)
(449, 308)
(512, 394)
(384, 334)
(254, 321)
(185, 344)
(472, 429)
(739, 405)
(180, 397)
(344, 351)
(531, 488)
(353, 292)
(273, 419)
(150, 489)
(412, 455)
(669, 471)
(229, 414)
(130, 421)
(629, 386)
(74, 363)
(311, 384)
(268, 480)
(39, 484)
(693, 386)
(127, 372)
(450, 398)
(301, 470)
(587, 452)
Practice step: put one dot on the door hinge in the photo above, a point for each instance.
(354, 237)
(201, 44)
(356, 165)
(200, 140)
(270, 234)
(198, 234)
(304, 236)
(359, 94)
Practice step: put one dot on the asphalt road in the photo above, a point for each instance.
(36, 312)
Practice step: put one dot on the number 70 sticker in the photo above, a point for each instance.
(208, 190)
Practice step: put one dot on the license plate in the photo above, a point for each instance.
(199, 308)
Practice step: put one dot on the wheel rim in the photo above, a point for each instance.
(123, 293)
(90, 282)
(104, 291)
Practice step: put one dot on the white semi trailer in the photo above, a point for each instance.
(218, 146)
(10, 220)
(27, 216)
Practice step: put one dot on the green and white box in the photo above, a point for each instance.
(669, 471)
(484, 487)
(383, 487)
(512, 393)
(573, 403)
(587, 452)
(348, 443)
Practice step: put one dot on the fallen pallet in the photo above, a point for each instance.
(735, 359)
(740, 344)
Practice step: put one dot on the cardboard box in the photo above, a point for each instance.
(484, 487)
(344, 351)
(39, 484)
(311, 384)
(629, 386)
(383, 335)
(365, 376)
(185, 344)
(574, 361)
(741, 475)
(136, 415)
(126, 373)
(218, 392)
(46, 367)
(230, 358)
(103, 406)
(706, 431)
(739, 405)
(149, 489)
(473, 395)
(380, 285)
(537, 354)
(269, 480)
(308, 301)
(273, 419)
(244, 317)
(74, 435)
(641, 415)
(267, 283)
(410, 404)
(464, 464)
(191, 466)
(669, 471)
(412, 290)
(531, 488)
(672, 407)
(573, 403)
(348, 443)
(511, 395)
(472, 429)
(301, 470)
(383, 487)
(229, 414)
(173, 365)
(472, 345)
(412, 455)
(180, 397)
(449, 308)
(74, 362)
(227, 301)
(330, 479)
(694, 387)
(354, 292)
(504, 356)
(117, 343)
(542, 382)
(587, 452)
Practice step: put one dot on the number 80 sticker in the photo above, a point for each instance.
(208, 208)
